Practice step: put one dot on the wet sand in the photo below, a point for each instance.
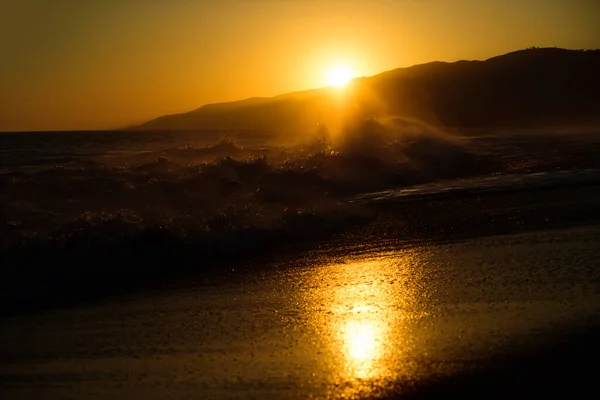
(455, 310)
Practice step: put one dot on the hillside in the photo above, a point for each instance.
(533, 86)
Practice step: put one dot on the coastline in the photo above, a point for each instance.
(485, 316)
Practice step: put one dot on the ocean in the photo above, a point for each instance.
(30, 150)
(103, 209)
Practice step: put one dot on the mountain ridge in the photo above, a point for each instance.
(530, 86)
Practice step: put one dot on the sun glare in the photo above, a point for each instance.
(339, 76)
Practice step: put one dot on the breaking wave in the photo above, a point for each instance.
(125, 216)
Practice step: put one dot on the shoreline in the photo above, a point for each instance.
(428, 221)
(491, 316)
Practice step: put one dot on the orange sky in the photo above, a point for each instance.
(103, 64)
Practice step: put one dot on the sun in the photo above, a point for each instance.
(339, 75)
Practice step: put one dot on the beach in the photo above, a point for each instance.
(492, 309)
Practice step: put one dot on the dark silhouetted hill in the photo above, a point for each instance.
(527, 87)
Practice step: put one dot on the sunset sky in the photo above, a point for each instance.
(103, 64)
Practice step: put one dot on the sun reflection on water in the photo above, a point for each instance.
(361, 319)
(362, 346)
(362, 310)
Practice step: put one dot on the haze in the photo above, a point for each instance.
(73, 65)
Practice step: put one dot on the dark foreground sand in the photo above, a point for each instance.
(483, 296)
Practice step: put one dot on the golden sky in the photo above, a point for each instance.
(103, 64)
